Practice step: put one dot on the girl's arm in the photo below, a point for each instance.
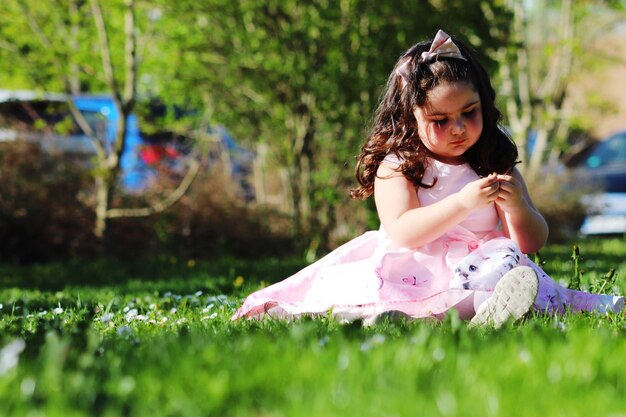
(410, 225)
(521, 221)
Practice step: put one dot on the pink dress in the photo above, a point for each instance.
(370, 274)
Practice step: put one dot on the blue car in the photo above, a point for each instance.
(102, 115)
(603, 168)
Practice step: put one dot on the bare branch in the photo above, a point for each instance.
(87, 130)
(73, 77)
(561, 67)
(523, 67)
(105, 51)
(177, 194)
(130, 87)
(126, 103)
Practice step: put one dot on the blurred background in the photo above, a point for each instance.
(204, 129)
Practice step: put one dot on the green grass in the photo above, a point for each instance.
(156, 339)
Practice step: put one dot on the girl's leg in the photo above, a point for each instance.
(466, 308)
(554, 298)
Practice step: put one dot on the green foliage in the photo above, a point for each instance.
(53, 45)
(593, 265)
(578, 272)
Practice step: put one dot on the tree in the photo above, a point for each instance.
(547, 44)
(302, 78)
(71, 46)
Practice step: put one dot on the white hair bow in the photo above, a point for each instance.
(442, 46)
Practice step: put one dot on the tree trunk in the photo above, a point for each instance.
(103, 197)
(303, 126)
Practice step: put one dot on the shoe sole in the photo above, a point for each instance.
(512, 298)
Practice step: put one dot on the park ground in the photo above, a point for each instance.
(155, 338)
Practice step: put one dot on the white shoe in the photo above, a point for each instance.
(512, 297)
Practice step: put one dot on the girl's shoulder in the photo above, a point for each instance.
(393, 159)
(390, 166)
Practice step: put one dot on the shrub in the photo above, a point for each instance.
(560, 204)
(213, 220)
(41, 216)
(46, 213)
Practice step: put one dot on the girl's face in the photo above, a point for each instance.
(451, 121)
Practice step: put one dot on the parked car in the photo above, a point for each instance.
(45, 119)
(603, 170)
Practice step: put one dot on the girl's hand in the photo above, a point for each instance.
(511, 194)
(480, 193)
(521, 221)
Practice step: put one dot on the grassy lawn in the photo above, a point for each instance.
(155, 339)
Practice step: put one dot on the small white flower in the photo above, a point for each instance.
(173, 310)
(28, 387)
(525, 356)
(106, 317)
(124, 331)
(208, 308)
(141, 317)
(126, 385)
(126, 309)
(181, 320)
(10, 354)
(439, 354)
(212, 316)
(1, 306)
(167, 294)
(43, 313)
(198, 293)
(164, 319)
(131, 314)
(377, 339)
(57, 311)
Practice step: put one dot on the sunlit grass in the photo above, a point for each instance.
(161, 343)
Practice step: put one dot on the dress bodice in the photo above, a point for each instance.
(451, 179)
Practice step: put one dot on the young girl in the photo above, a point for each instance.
(455, 213)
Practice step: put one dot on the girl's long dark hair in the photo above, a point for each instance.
(394, 129)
